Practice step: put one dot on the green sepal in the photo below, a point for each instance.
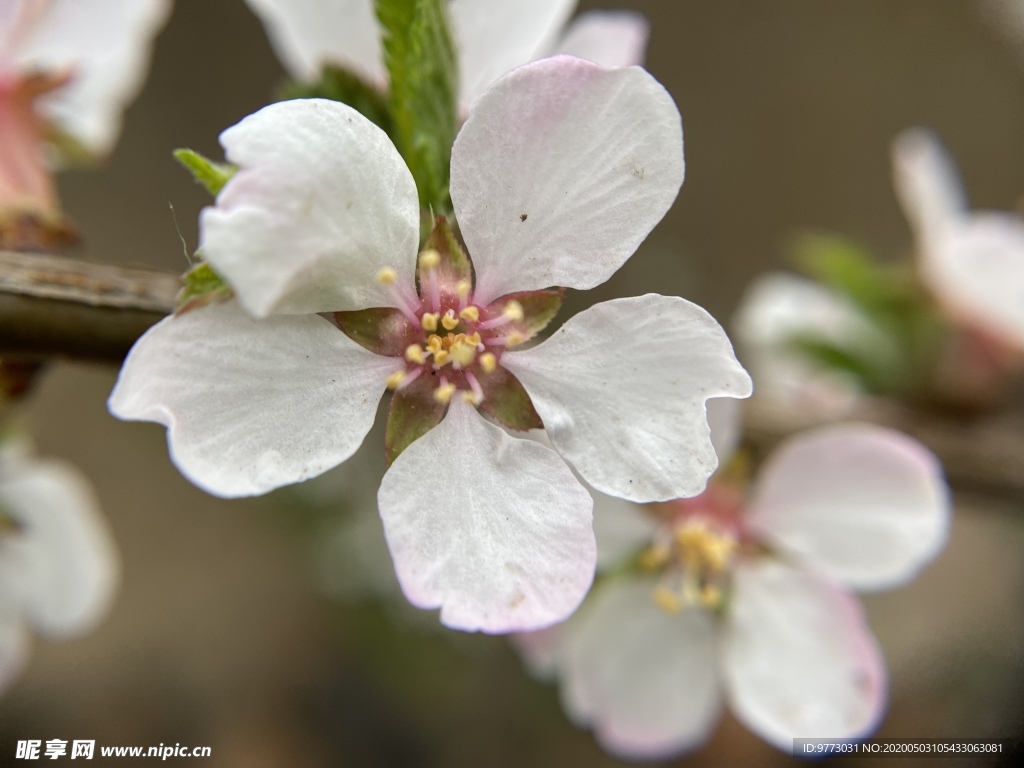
(382, 330)
(201, 285)
(212, 176)
(422, 67)
(455, 264)
(539, 309)
(414, 412)
(339, 84)
(506, 400)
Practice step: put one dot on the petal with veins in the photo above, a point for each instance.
(608, 38)
(322, 203)
(621, 389)
(251, 405)
(494, 38)
(492, 529)
(645, 680)
(105, 45)
(307, 34)
(561, 171)
(798, 657)
(68, 563)
(866, 505)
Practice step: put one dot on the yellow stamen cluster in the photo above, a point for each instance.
(697, 558)
(457, 348)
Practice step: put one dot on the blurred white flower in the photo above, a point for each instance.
(493, 38)
(972, 261)
(745, 599)
(58, 566)
(558, 175)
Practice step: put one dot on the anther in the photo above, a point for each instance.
(450, 321)
(474, 339)
(429, 259)
(395, 379)
(463, 353)
(666, 599)
(470, 314)
(488, 362)
(434, 343)
(414, 354)
(429, 321)
(387, 276)
(513, 311)
(514, 339)
(440, 357)
(654, 557)
(443, 394)
(463, 288)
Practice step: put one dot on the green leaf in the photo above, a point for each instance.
(341, 85)
(422, 66)
(414, 412)
(201, 286)
(506, 399)
(382, 330)
(213, 176)
(840, 358)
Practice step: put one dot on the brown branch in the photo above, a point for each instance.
(52, 306)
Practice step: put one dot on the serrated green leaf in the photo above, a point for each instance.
(201, 286)
(422, 66)
(341, 85)
(212, 176)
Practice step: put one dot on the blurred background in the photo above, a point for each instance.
(247, 627)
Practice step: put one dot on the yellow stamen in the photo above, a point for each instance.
(710, 596)
(441, 357)
(429, 259)
(387, 276)
(414, 354)
(514, 339)
(395, 379)
(513, 311)
(463, 288)
(450, 321)
(443, 394)
(429, 321)
(666, 599)
(471, 398)
(434, 343)
(470, 314)
(474, 339)
(488, 362)
(462, 352)
(655, 557)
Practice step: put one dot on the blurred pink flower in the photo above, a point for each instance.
(557, 177)
(745, 599)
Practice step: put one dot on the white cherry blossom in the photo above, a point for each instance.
(58, 565)
(973, 261)
(493, 38)
(745, 601)
(558, 175)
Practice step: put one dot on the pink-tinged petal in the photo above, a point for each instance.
(798, 657)
(621, 389)
(497, 37)
(866, 505)
(322, 203)
(105, 45)
(561, 171)
(779, 307)
(307, 34)
(492, 529)
(977, 271)
(608, 38)
(69, 565)
(645, 680)
(540, 650)
(251, 405)
(927, 186)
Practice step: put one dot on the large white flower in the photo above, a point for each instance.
(972, 261)
(71, 67)
(58, 565)
(746, 601)
(493, 37)
(558, 175)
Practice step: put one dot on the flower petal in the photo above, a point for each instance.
(561, 171)
(799, 659)
(497, 37)
(69, 566)
(644, 679)
(322, 203)
(251, 405)
(621, 389)
(105, 44)
(866, 505)
(621, 528)
(927, 185)
(540, 650)
(494, 530)
(307, 34)
(725, 420)
(608, 38)
(977, 270)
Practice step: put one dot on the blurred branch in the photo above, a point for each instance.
(985, 456)
(56, 306)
